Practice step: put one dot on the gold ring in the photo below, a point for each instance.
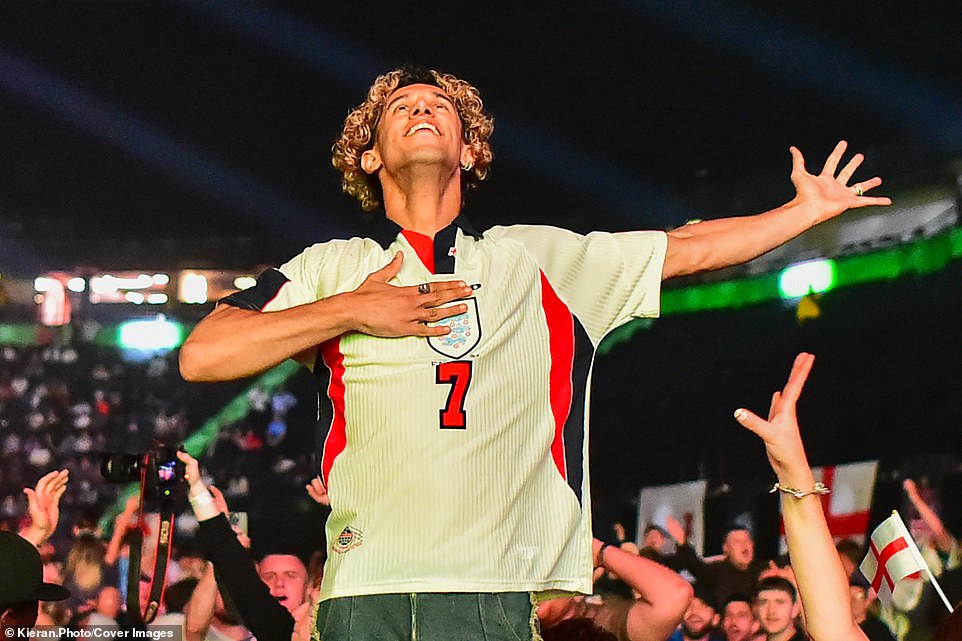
(858, 191)
(424, 288)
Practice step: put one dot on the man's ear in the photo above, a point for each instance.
(371, 161)
(715, 620)
(796, 607)
(467, 157)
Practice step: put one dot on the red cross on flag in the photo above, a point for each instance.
(891, 557)
(847, 507)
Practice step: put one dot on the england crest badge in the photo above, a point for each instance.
(464, 335)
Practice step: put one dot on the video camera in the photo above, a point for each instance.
(160, 474)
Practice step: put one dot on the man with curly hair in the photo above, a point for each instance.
(458, 366)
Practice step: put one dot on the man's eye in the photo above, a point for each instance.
(401, 108)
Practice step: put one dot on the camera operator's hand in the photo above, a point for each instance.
(44, 506)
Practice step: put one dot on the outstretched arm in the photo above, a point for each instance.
(821, 581)
(713, 244)
(234, 343)
(663, 596)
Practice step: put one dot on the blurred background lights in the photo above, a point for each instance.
(43, 284)
(157, 299)
(134, 297)
(151, 334)
(814, 276)
(244, 282)
(193, 288)
(77, 284)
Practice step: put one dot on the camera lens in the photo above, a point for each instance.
(120, 467)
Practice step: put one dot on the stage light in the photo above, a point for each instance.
(193, 288)
(43, 284)
(152, 334)
(810, 277)
(77, 284)
(157, 299)
(244, 282)
(134, 297)
(161, 279)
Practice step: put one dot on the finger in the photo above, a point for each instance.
(871, 183)
(849, 169)
(32, 502)
(831, 163)
(751, 421)
(798, 161)
(439, 313)
(798, 376)
(443, 292)
(390, 270)
(57, 494)
(868, 201)
(773, 407)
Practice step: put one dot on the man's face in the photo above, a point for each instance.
(776, 611)
(654, 539)
(286, 577)
(419, 125)
(738, 622)
(860, 602)
(739, 548)
(699, 619)
(108, 602)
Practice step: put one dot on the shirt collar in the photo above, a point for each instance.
(385, 230)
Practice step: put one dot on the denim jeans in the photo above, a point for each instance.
(506, 616)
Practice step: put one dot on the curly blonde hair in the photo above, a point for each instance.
(360, 126)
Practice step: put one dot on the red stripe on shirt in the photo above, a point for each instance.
(336, 439)
(561, 338)
(423, 246)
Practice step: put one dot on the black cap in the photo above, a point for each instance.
(21, 573)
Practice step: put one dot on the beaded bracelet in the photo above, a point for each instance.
(818, 488)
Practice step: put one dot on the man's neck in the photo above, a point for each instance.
(784, 635)
(422, 203)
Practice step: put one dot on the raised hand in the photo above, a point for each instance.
(829, 192)
(780, 433)
(43, 503)
(382, 309)
(317, 491)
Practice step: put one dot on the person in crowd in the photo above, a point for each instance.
(700, 622)
(736, 573)
(472, 319)
(822, 583)
(738, 622)
(777, 607)
(22, 583)
(862, 597)
(266, 595)
(176, 597)
(22, 587)
(915, 608)
(662, 599)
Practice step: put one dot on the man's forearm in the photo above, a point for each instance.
(715, 244)
(233, 343)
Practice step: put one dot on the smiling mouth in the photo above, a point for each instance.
(422, 126)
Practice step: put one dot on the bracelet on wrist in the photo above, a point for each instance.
(601, 553)
(818, 489)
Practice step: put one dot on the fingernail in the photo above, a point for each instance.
(739, 413)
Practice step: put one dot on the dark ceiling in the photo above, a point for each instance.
(158, 132)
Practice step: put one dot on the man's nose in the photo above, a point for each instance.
(421, 108)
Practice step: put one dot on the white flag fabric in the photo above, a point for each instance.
(891, 557)
(847, 507)
(684, 501)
